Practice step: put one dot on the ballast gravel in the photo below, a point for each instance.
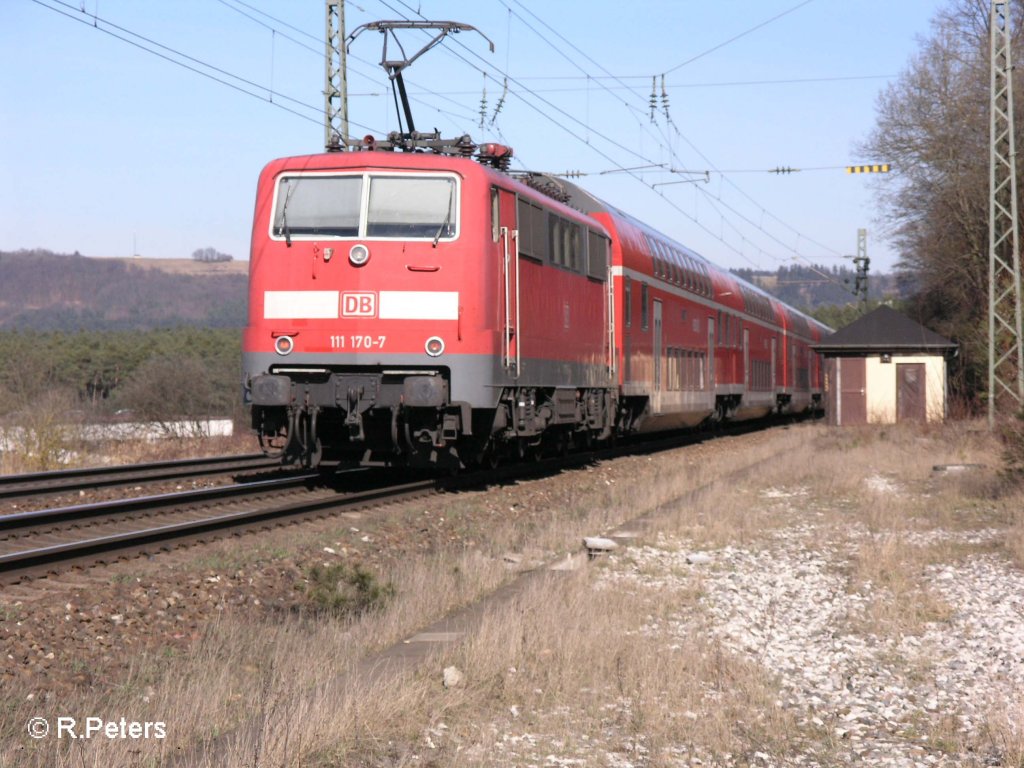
(788, 605)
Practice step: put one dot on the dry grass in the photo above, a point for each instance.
(54, 446)
(567, 665)
(572, 671)
(243, 667)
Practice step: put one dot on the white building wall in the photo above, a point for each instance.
(881, 387)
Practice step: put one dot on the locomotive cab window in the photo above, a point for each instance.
(410, 206)
(407, 206)
(317, 206)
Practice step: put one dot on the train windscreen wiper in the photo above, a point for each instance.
(284, 229)
(447, 216)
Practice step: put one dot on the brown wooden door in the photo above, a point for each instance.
(852, 391)
(910, 392)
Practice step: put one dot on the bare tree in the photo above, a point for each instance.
(171, 393)
(933, 127)
(210, 254)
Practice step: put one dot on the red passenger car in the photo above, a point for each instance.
(427, 308)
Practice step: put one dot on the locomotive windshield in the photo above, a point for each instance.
(397, 206)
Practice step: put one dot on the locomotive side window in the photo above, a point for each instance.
(597, 255)
(533, 230)
(565, 243)
(410, 206)
(317, 205)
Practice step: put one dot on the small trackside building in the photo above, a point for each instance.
(884, 368)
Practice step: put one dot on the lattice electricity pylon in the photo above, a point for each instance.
(335, 78)
(1005, 354)
(862, 263)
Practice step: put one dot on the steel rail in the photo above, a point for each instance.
(17, 564)
(118, 543)
(22, 521)
(38, 483)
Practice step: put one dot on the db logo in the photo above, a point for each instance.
(358, 305)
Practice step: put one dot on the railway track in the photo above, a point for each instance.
(73, 480)
(44, 542)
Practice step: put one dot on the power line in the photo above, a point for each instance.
(521, 92)
(734, 38)
(94, 22)
(714, 84)
(614, 143)
(715, 203)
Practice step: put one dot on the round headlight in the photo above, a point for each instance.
(283, 345)
(359, 255)
(435, 346)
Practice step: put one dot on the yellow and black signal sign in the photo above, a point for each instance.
(881, 168)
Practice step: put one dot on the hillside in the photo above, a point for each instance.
(41, 290)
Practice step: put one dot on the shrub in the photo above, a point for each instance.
(343, 591)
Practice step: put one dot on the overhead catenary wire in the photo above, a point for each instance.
(516, 89)
(734, 38)
(632, 152)
(181, 59)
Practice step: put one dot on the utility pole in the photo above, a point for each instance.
(1005, 353)
(335, 79)
(862, 262)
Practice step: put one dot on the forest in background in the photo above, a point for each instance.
(156, 375)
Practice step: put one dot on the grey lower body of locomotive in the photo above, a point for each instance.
(457, 410)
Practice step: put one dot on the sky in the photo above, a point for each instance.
(110, 149)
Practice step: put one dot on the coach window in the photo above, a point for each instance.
(644, 309)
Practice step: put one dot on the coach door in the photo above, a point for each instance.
(657, 356)
(775, 343)
(746, 361)
(508, 235)
(711, 356)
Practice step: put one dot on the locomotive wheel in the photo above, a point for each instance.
(490, 458)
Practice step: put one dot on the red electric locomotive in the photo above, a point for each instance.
(427, 308)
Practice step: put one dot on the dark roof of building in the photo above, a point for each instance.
(885, 329)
